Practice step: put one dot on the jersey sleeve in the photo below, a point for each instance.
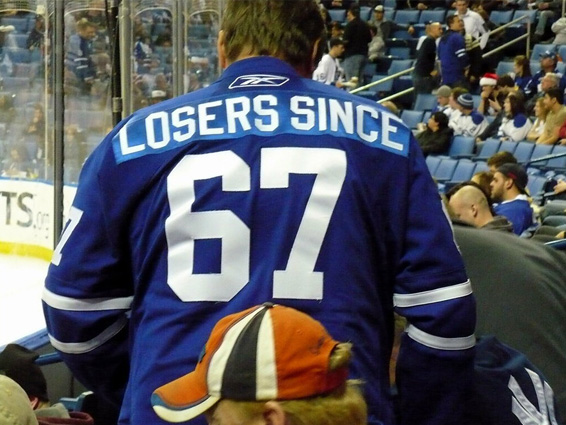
(435, 363)
(88, 292)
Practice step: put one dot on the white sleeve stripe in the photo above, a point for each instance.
(441, 343)
(433, 296)
(90, 304)
(97, 341)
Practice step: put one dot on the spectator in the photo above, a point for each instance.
(483, 180)
(549, 81)
(455, 108)
(7, 111)
(437, 136)
(17, 165)
(470, 122)
(14, 405)
(385, 27)
(515, 125)
(489, 104)
(521, 71)
(454, 62)
(35, 131)
(357, 36)
(298, 385)
(505, 85)
(508, 190)
(498, 159)
(336, 30)
(559, 28)
(470, 205)
(227, 197)
(35, 40)
(328, 70)
(548, 12)
(548, 61)
(474, 25)
(79, 55)
(556, 116)
(376, 47)
(538, 127)
(425, 75)
(443, 100)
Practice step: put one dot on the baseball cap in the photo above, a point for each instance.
(18, 363)
(517, 174)
(466, 100)
(548, 54)
(444, 91)
(379, 8)
(267, 352)
(15, 408)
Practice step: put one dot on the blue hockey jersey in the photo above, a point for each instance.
(264, 186)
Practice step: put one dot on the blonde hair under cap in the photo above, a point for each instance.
(15, 408)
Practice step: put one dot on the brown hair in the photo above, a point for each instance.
(284, 29)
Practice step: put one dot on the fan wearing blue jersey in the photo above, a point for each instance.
(265, 186)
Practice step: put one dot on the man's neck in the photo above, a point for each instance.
(557, 107)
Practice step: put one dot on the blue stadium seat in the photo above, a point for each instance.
(500, 17)
(504, 67)
(389, 13)
(425, 102)
(366, 12)
(338, 15)
(398, 65)
(411, 117)
(536, 186)
(400, 52)
(531, 14)
(489, 147)
(538, 49)
(481, 166)
(462, 147)
(562, 51)
(407, 16)
(391, 4)
(432, 163)
(445, 169)
(507, 146)
(557, 164)
(434, 15)
(20, 55)
(463, 172)
(540, 151)
(20, 23)
(524, 151)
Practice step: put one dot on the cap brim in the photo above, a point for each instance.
(182, 399)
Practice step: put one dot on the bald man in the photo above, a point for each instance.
(425, 74)
(469, 204)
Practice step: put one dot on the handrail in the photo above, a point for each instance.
(396, 95)
(375, 83)
(546, 157)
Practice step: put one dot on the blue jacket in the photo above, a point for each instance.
(453, 57)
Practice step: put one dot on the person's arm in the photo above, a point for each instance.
(435, 363)
(549, 136)
(89, 289)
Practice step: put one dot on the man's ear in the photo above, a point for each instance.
(221, 48)
(273, 413)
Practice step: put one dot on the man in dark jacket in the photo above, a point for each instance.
(436, 138)
(425, 74)
(357, 36)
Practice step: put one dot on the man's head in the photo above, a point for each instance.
(470, 205)
(434, 29)
(438, 121)
(509, 181)
(548, 60)
(465, 102)
(291, 31)
(86, 29)
(336, 47)
(454, 95)
(461, 6)
(550, 80)
(488, 82)
(553, 99)
(353, 12)
(505, 84)
(443, 95)
(269, 360)
(498, 159)
(378, 13)
(18, 363)
(455, 23)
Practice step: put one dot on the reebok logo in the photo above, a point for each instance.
(258, 80)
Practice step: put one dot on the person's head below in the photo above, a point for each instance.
(509, 181)
(438, 121)
(548, 61)
(299, 375)
(522, 66)
(514, 104)
(505, 85)
(454, 23)
(465, 103)
(336, 29)
(470, 205)
(443, 95)
(18, 363)
(488, 83)
(541, 111)
(353, 12)
(498, 159)
(434, 30)
(483, 180)
(379, 13)
(336, 46)
(291, 31)
(86, 29)
(461, 6)
(14, 404)
(551, 80)
(454, 95)
(553, 99)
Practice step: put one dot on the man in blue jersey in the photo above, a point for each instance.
(454, 61)
(264, 186)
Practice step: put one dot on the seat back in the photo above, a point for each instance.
(338, 15)
(524, 151)
(432, 163)
(411, 117)
(407, 16)
(500, 17)
(425, 102)
(489, 147)
(463, 171)
(445, 169)
(462, 146)
(507, 146)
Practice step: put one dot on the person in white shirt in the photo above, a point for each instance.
(328, 70)
(473, 23)
(515, 125)
(470, 122)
